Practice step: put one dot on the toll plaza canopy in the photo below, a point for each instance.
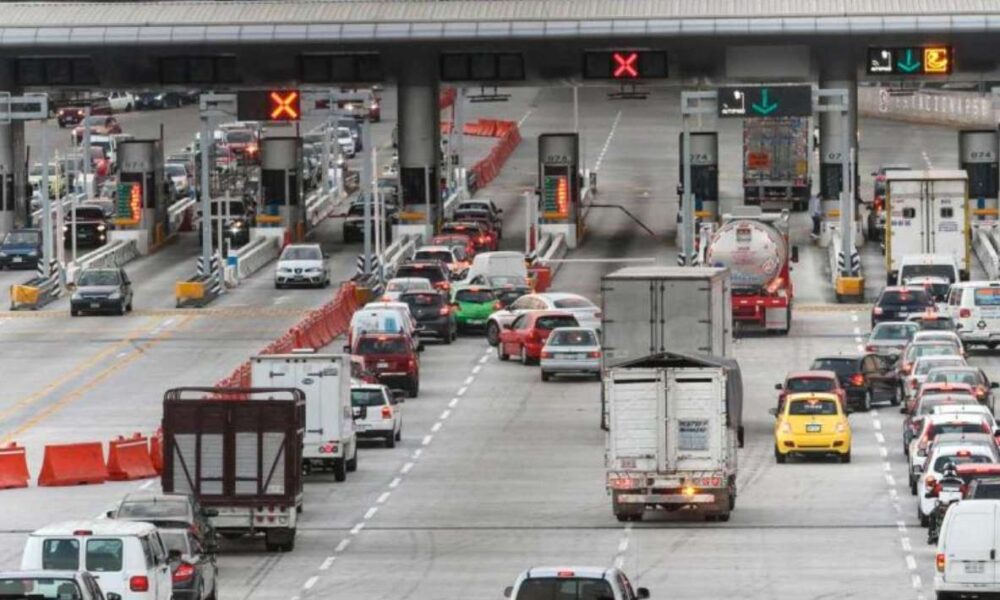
(180, 22)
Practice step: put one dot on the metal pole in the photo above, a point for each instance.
(326, 156)
(687, 199)
(46, 205)
(458, 128)
(366, 191)
(206, 197)
(379, 219)
(846, 194)
(60, 220)
(528, 215)
(86, 174)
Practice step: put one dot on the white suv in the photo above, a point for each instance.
(975, 308)
(574, 583)
(377, 413)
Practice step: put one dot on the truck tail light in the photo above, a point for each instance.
(138, 583)
(857, 379)
(386, 412)
(964, 313)
(939, 562)
(183, 573)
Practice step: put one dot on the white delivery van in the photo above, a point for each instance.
(382, 317)
(330, 441)
(127, 557)
(975, 308)
(967, 560)
(934, 272)
(489, 267)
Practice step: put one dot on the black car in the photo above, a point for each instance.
(897, 303)
(235, 220)
(21, 249)
(865, 378)
(91, 227)
(508, 293)
(354, 222)
(153, 100)
(433, 314)
(168, 510)
(435, 272)
(193, 569)
(101, 290)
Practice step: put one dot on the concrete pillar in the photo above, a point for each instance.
(832, 142)
(13, 176)
(419, 147)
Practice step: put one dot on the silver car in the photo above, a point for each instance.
(571, 350)
(891, 337)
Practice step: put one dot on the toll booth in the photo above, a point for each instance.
(704, 174)
(978, 152)
(7, 205)
(559, 185)
(421, 193)
(141, 209)
(281, 184)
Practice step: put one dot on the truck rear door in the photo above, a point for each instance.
(946, 218)
(635, 397)
(694, 427)
(906, 224)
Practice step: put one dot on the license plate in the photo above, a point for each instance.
(975, 567)
(95, 305)
(362, 426)
(18, 259)
(813, 427)
(569, 356)
(382, 365)
(475, 321)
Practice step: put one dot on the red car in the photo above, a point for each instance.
(526, 335)
(99, 125)
(456, 240)
(936, 388)
(810, 381)
(482, 239)
(392, 358)
(485, 219)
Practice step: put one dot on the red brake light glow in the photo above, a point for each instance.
(138, 583)
(183, 573)
(565, 574)
(386, 412)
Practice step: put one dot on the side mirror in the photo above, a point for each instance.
(773, 412)
(642, 593)
(398, 396)
(110, 514)
(996, 430)
(507, 591)
(795, 254)
(508, 326)
(779, 386)
(929, 495)
(456, 306)
(210, 512)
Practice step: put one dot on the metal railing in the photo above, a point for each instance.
(67, 202)
(175, 212)
(400, 251)
(554, 251)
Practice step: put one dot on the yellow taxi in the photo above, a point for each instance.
(811, 423)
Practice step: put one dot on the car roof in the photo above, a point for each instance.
(965, 439)
(812, 396)
(433, 249)
(422, 264)
(955, 417)
(957, 369)
(97, 526)
(550, 572)
(311, 246)
(146, 496)
(839, 357)
(813, 374)
(41, 574)
(367, 386)
(410, 280)
(970, 284)
(537, 314)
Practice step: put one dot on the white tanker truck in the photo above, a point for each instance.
(754, 246)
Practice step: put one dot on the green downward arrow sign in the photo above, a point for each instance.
(909, 65)
(765, 107)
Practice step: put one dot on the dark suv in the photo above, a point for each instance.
(864, 378)
(435, 272)
(897, 303)
(433, 314)
(91, 227)
(21, 249)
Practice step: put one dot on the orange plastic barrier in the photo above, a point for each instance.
(128, 459)
(73, 464)
(13, 467)
(156, 450)
(542, 276)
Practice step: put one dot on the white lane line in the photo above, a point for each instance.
(894, 494)
(857, 339)
(887, 466)
(607, 142)
(357, 528)
(445, 414)
(395, 482)
(890, 480)
(619, 562)
(469, 380)
(453, 403)
(917, 584)
(427, 439)
(344, 543)
(476, 369)
(857, 331)
(310, 582)
(623, 545)
(879, 437)
(417, 453)
(901, 526)
(371, 512)
(854, 317)
(489, 351)
(436, 427)
(483, 360)
(861, 348)
(383, 497)
(461, 391)
(327, 563)
(406, 468)
(911, 562)
(883, 451)
(123, 354)
(525, 117)
(876, 424)
(927, 159)
(905, 543)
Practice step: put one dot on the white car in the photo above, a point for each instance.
(923, 365)
(384, 316)
(939, 335)
(970, 448)
(378, 413)
(178, 174)
(301, 264)
(397, 286)
(975, 308)
(454, 258)
(121, 101)
(970, 535)
(939, 423)
(574, 350)
(586, 312)
(582, 583)
(346, 141)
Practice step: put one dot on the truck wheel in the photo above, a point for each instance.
(352, 465)
(545, 375)
(722, 517)
(390, 440)
(626, 512)
(339, 469)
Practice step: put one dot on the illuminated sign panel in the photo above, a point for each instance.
(625, 65)
(129, 202)
(269, 105)
(910, 60)
(765, 101)
(555, 196)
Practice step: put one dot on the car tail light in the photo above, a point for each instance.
(183, 573)
(595, 354)
(877, 310)
(939, 562)
(386, 412)
(546, 355)
(138, 583)
(445, 310)
(906, 368)
(412, 364)
(870, 348)
(497, 305)
(598, 314)
(964, 313)
(857, 379)
(786, 427)
(913, 383)
(443, 285)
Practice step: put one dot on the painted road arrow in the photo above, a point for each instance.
(765, 107)
(910, 65)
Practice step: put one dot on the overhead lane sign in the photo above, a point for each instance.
(763, 101)
(910, 60)
(625, 65)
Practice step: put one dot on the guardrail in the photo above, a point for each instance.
(959, 109)
(254, 256)
(39, 290)
(985, 242)
(555, 250)
(178, 211)
(205, 286)
(67, 202)
(399, 251)
(320, 206)
(112, 254)
(833, 254)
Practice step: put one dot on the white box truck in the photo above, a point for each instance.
(330, 440)
(674, 430)
(927, 213)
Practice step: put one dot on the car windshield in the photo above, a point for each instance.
(939, 323)
(987, 491)
(175, 539)
(894, 331)
(438, 255)
(573, 303)
(943, 271)
(380, 345)
(962, 459)
(924, 367)
(175, 170)
(420, 271)
(933, 350)
(813, 406)
(90, 214)
(564, 588)
(32, 588)
(937, 428)
(555, 321)
(301, 253)
(367, 397)
(160, 508)
(986, 296)
(928, 402)
(506, 297)
(428, 299)
(910, 299)
(811, 384)
(239, 137)
(476, 296)
(96, 120)
(943, 376)
(841, 366)
(98, 277)
(573, 337)
(21, 238)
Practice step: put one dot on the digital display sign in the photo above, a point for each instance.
(269, 105)
(482, 66)
(625, 65)
(129, 205)
(765, 101)
(555, 196)
(365, 67)
(910, 60)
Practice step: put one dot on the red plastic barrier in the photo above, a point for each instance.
(543, 277)
(13, 467)
(129, 459)
(446, 98)
(73, 464)
(156, 450)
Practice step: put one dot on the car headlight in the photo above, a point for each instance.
(76, 296)
(33, 253)
(313, 270)
(102, 227)
(115, 296)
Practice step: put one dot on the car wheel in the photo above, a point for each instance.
(895, 400)
(545, 375)
(414, 389)
(390, 441)
(448, 337)
(779, 457)
(74, 313)
(846, 457)
(121, 308)
(925, 520)
(339, 469)
(524, 354)
(500, 353)
(128, 108)
(913, 486)
(493, 333)
(399, 434)
(352, 465)
(991, 345)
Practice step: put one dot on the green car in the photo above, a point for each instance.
(473, 306)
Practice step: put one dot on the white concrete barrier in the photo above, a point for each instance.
(113, 254)
(264, 247)
(985, 242)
